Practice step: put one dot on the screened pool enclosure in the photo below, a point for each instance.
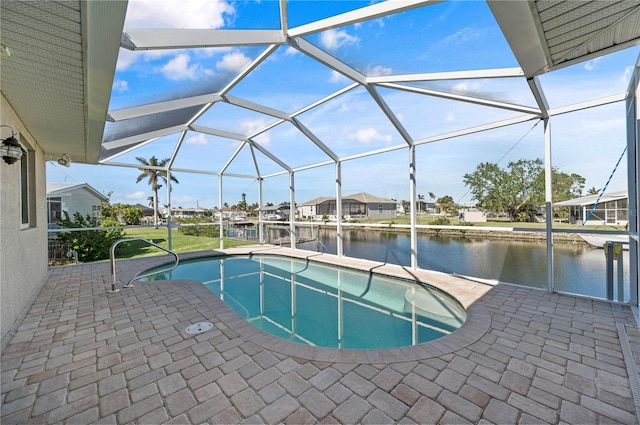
(285, 101)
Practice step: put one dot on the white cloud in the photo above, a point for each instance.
(125, 59)
(368, 135)
(290, 51)
(460, 37)
(450, 117)
(179, 68)
(136, 196)
(378, 70)
(251, 126)
(334, 39)
(233, 62)
(120, 85)
(592, 64)
(178, 14)
(466, 87)
(184, 201)
(197, 139)
(336, 77)
(626, 75)
(263, 139)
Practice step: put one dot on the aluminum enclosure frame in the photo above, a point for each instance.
(519, 22)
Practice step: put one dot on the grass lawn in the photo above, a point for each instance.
(179, 242)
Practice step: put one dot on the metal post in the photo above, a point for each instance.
(412, 199)
(113, 268)
(260, 223)
(548, 190)
(293, 299)
(169, 208)
(339, 240)
(609, 253)
(633, 173)
(620, 274)
(292, 211)
(220, 221)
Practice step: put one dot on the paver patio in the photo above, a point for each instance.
(82, 355)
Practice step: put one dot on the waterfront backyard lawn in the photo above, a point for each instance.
(179, 242)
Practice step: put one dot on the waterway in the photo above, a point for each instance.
(578, 269)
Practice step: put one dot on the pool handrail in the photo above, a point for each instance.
(129, 284)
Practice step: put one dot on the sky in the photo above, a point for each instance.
(450, 36)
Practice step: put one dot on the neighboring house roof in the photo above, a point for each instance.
(367, 198)
(274, 208)
(146, 211)
(202, 210)
(591, 199)
(224, 210)
(363, 197)
(317, 201)
(56, 189)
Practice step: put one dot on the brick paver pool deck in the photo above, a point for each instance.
(83, 355)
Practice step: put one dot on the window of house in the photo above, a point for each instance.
(54, 209)
(380, 208)
(28, 188)
(96, 213)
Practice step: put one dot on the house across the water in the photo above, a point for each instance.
(611, 209)
(359, 205)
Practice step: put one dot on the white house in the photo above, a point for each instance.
(359, 205)
(275, 212)
(72, 198)
(612, 209)
(473, 215)
(187, 212)
(229, 213)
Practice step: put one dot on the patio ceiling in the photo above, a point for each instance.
(56, 70)
(549, 34)
(63, 62)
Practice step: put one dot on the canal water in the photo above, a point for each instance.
(578, 269)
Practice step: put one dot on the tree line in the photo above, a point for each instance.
(517, 190)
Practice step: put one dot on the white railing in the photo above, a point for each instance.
(129, 284)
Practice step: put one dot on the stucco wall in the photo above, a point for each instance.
(23, 252)
(388, 210)
(79, 200)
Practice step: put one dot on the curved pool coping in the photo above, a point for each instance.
(467, 292)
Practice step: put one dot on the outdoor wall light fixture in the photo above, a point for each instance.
(10, 149)
(64, 160)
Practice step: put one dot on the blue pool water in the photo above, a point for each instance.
(312, 303)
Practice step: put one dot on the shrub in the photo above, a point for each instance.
(126, 214)
(91, 245)
(440, 221)
(465, 223)
(191, 228)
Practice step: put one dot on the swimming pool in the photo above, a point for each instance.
(322, 305)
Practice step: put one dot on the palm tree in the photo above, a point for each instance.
(432, 196)
(154, 176)
(420, 198)
(593, 191)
